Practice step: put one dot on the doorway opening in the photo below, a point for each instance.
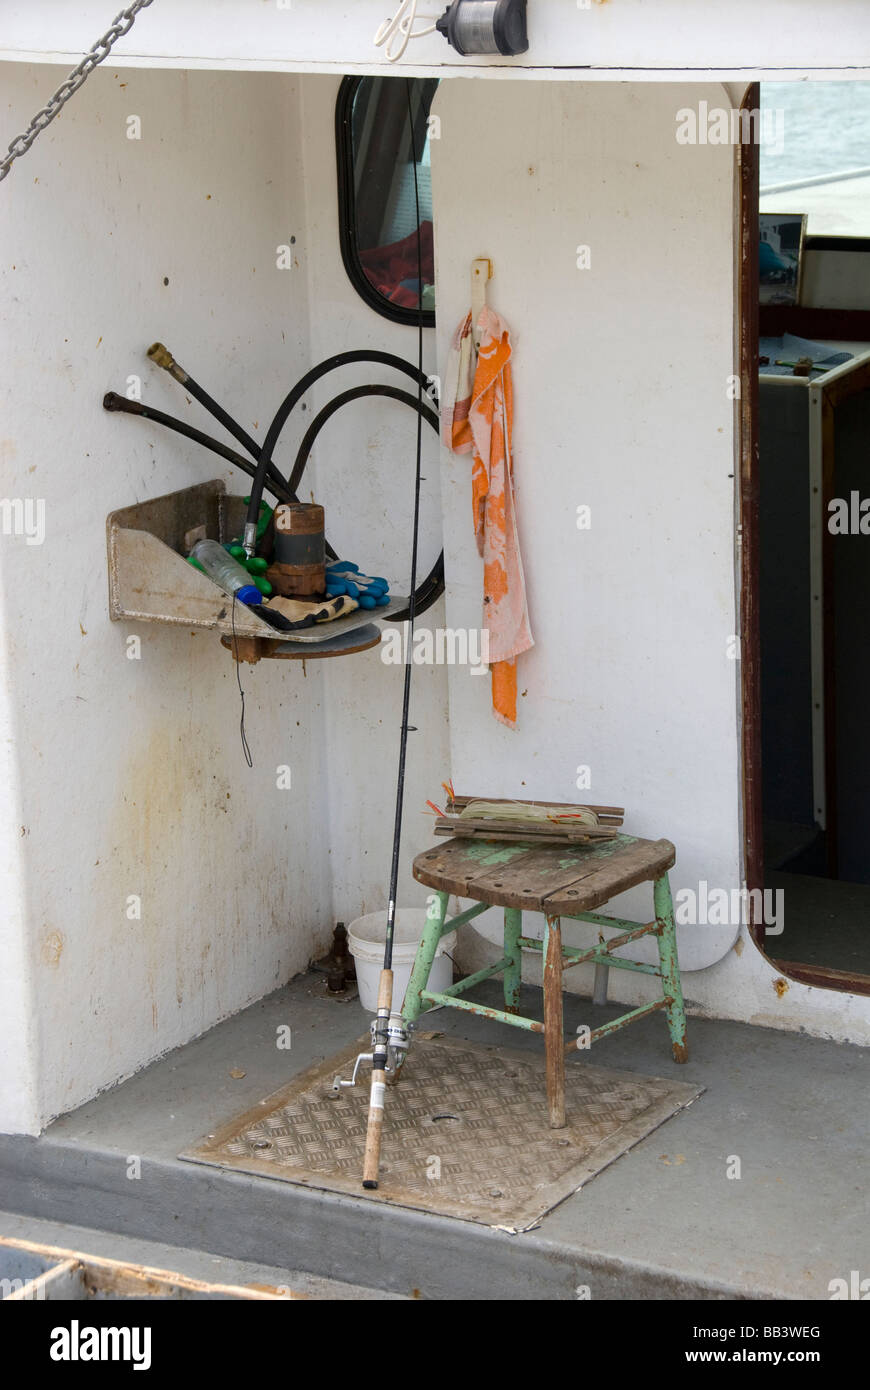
(805, 513)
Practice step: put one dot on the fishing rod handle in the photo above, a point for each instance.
(374, 1131)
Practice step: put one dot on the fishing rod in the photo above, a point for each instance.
(381, 1029)
(390, 1035)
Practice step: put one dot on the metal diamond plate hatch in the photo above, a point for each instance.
(479, 1148)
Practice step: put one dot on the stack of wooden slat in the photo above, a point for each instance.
(533, 831)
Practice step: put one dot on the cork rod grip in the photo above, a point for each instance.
(385, 991)
(372, 1158)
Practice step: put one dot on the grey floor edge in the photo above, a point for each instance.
(175, 1259)
(324, 1233)
(665, 1221)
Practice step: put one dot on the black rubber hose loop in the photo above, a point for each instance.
(329, 364)
(433, 585)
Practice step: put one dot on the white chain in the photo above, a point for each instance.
(121, 24)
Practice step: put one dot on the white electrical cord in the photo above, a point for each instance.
(397, 32)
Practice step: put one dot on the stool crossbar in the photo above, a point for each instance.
(558, 881)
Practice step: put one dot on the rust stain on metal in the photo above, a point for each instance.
(780, 986)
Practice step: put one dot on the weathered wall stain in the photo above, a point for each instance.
(51, 949)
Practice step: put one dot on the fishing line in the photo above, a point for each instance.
(245, 749)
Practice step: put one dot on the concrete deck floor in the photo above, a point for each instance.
(665, 1221)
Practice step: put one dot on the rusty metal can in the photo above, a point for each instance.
(298, 567)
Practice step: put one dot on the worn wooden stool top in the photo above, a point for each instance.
(555, 879)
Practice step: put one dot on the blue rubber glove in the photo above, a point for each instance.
(343, 577)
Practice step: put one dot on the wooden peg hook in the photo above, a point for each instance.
(481, 272)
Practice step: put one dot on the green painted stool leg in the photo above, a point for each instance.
(670, 967)
(513, 973)
(435, 915)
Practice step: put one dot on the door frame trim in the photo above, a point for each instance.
(748, 512)
(748, 163)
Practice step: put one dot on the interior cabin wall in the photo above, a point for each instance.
(785, 589)
(363, 472)
(128, 781)
(623, 404)
(851, 676)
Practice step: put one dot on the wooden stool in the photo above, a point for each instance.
(559, 881)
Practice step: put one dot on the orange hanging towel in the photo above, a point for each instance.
(477, 419)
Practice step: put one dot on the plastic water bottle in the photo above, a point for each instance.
(224, 571)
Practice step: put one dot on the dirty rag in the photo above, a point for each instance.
(477, 419)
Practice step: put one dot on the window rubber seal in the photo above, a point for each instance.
(347, 216)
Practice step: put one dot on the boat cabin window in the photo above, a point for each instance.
(376, 191)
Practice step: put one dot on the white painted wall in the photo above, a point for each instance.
(19, 1098)
(363, 471)
(127, 777)
(605, 36)
(620, 404)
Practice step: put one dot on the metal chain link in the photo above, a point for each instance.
(121, 24)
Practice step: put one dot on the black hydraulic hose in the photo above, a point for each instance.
(162, 357)
(273, 433)
(433, 585)
(352, 394)
(114, 402)
(430, 589)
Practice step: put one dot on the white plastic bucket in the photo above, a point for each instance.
(366, 938)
